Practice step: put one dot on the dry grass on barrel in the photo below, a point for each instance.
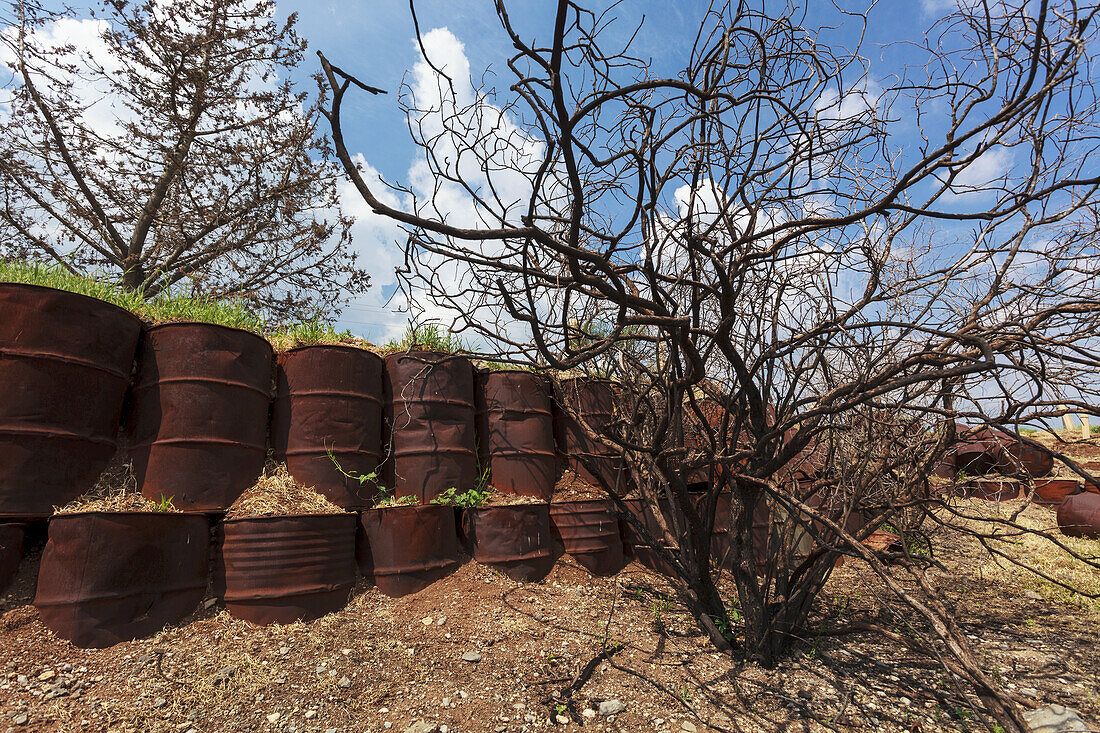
(116, 491)
(277, 493)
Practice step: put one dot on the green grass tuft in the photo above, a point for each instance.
(168, 306)
(429, 337)
(55, 276)
(313, 332)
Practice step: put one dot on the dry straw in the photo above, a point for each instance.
(276, 493)
(116, 491)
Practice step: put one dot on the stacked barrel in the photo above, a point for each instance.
(207, 403)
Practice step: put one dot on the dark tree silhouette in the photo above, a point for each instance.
(797, 303)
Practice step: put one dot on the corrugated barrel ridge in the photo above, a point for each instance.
(65, 363)
(594, 401)
(429, 419)
(514, 539)
(283, 569)
(516, 432)
(589, 532)
(406, 548)
(198, 418)
(107, 577)
(329, 398)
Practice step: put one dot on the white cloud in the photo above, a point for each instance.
(470, 139)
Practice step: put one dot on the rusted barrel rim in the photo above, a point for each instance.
(342, 347)
(273, 517)
(82, 296)
(126, 512)
(175, 324)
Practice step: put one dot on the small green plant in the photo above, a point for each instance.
(1094, 429)
(165, 504)
(961, 475)
(467, 500)
(560, 709)
(383, 496)
(388, 501)
(658, 609)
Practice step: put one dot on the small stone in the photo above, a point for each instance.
(611, 707)
(588, 713)
(446, 701)
(344, 682)
(274, 717)
(427, 621)
(66, 668)
(422, 726)
(49, 674)
(345, 652)
(687, 727)
(145, 658)
(159, 702)
(441, 620)
(1029, 691)
(559, 719)
(1055, 719)
(310, 714)
(209, 603)
(23, 680)
(463, 694)
(1028, 593)
(21, 719)
(472, 657)
(444, 729)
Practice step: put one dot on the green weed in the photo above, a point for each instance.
(428, 337)
(469, 499)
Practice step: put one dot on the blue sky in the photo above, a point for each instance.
(376, 42)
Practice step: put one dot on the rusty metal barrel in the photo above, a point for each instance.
(199, 414)
(983, 450)
(515, 432)
(513, 539)
(594, 401)
(11, 551)
(1079, 515)
(1052, 492)
(107, 577)
(282, 569)
(429, 424)
(404, 549)
(589, 533)
(329, 398)
(65, 363)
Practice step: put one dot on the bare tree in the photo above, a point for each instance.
(795, 303)
(174, 150)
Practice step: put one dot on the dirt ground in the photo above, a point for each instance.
(386, 664)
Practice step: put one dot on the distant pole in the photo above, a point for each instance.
(1086, 429)
(1067, 420)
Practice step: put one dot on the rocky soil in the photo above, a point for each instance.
(479, 652)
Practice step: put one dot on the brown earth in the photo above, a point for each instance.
(383, 664)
